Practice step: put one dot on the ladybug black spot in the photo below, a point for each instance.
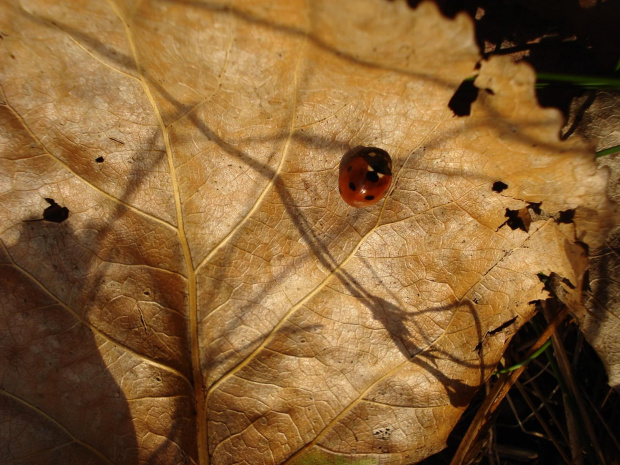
(372, 176)
(369, 197)
(352, 186)
(349, 168)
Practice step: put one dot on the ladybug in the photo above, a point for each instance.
(365, 176)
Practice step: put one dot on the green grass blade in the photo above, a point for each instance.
(608, 151)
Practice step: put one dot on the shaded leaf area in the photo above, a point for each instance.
(595, 117)
(209, 297)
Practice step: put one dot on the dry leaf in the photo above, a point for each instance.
(596, 118)
(210, 298)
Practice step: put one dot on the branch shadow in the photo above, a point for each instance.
(390, 316)
(397, 322)
(55, 383)
(74, 258)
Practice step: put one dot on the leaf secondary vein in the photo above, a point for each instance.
(59, 425)
(89, 325)
(68, 168)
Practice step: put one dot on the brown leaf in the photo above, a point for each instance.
(210, 298)
(596, 119)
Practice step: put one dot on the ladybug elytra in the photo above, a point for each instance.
(365, 176)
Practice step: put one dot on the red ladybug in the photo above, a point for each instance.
(365, 176)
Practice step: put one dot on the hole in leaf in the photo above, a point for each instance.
(447, 7)
(568, 283)
(553, 284)
(535, 207)
(586, 281)
(461, 101)
(566, 216)
(514, 220)
(55, 213)
(586, 247)
(502, 326)
(499, 186)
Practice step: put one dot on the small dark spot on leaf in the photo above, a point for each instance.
(499, 186)
(99, 159)
(461, 101)
(489, 91)
(55, 213)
